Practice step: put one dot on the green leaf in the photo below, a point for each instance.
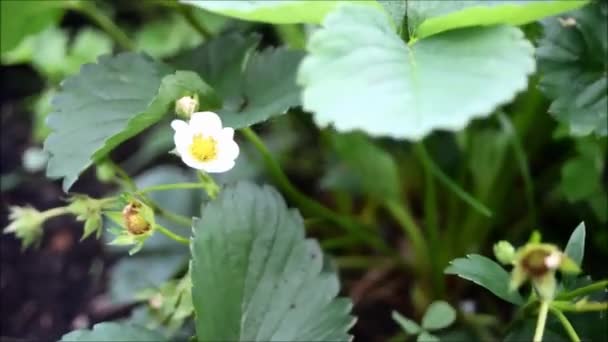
(396, 9)
(262, 88)
(575, 248)
(166, 36)
(439, 315)
(581, 176)
(275, 12)
(410, 327)
(108, 103)
(486, 273)
(110, 331)
(362, 164)
(572, 62)
(427, 337)
(18, 19)
(429, 17)
(255, 276)
(360, 75)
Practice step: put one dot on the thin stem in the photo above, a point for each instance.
(522, 161)
(566, 324)
(581, 306)
(542, 320)
(186, 11)
(47, 214)
(171, 216)
(581, 291)
(172, 235)
(88, 8)
(431, 215)
(307, 204)
(450, 184)
(403, 216)
(167, 187)
(209, 184)
(129, 183)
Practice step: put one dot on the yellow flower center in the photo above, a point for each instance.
(203, 148)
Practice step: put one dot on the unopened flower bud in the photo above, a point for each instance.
(186, 106)
(26, 225)
(504, 252)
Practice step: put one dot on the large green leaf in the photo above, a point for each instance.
(19, 19)
(360, 75)
(111, 332)
(106, 104)
(573, 65)
(276, 12)
(254, 89)
(428, 17)
(255, 276)
(486, 273)
(361, 164)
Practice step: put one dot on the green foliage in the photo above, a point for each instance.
(486, 273)
(575, 248)
(275, 12)
(106, 104)
(572, 61)
(110, 331)
(581, 177)
(13, 23)
(430, 17)
(361, 164)
(256, 278)
(424, 86)
(438, 316)
(262, 88)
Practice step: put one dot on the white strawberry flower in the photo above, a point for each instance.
(204, 144)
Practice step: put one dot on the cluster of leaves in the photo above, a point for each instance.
(392, 69)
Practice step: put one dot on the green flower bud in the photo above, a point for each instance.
(26, 225)
(105, 172)
(186, 106)
(504, 252)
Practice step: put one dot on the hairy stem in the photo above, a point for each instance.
(566, 324)
(172, 235)
(542, 320)
(581, 291)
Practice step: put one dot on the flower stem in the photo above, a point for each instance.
(88, 8)
(582, 306)
(172, 235)
(208, 184)
(542, 320)
(167, 187)
(566, 324)
(309, 205)
(581, 291)
(47, 214)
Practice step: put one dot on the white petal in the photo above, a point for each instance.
(182, 138)
(190, 161)
(218, 166)
(179, 125)
(228, 133)
(228, 149)
(208, 123)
